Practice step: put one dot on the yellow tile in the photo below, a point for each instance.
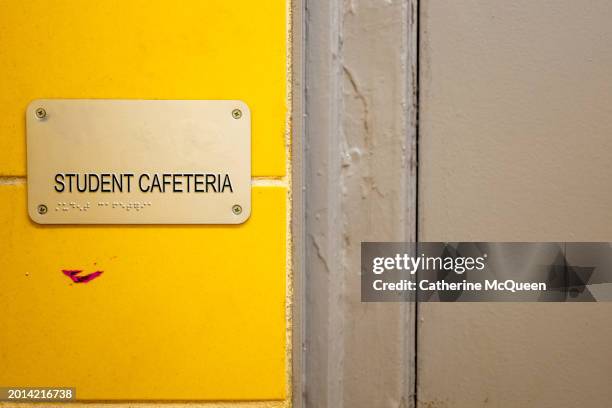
(180, 312)
(145, 49)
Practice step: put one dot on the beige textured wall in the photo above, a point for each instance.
(515, 145)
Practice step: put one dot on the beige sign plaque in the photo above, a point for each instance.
(138, 161)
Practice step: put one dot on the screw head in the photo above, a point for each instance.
(42, 209)
(236, 209)
(40, 113)
(236, 114)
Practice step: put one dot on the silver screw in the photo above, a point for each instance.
(236, 114)
(236, 209)
(40, 113)
(42, 209)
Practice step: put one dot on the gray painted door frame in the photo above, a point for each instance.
(354, 121)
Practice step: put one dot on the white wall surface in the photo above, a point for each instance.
(360, 185)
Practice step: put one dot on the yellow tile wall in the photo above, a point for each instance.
(145, 49)
(180, 312)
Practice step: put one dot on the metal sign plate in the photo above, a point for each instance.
(138, 162)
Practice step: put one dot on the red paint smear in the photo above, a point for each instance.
(72, 274)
